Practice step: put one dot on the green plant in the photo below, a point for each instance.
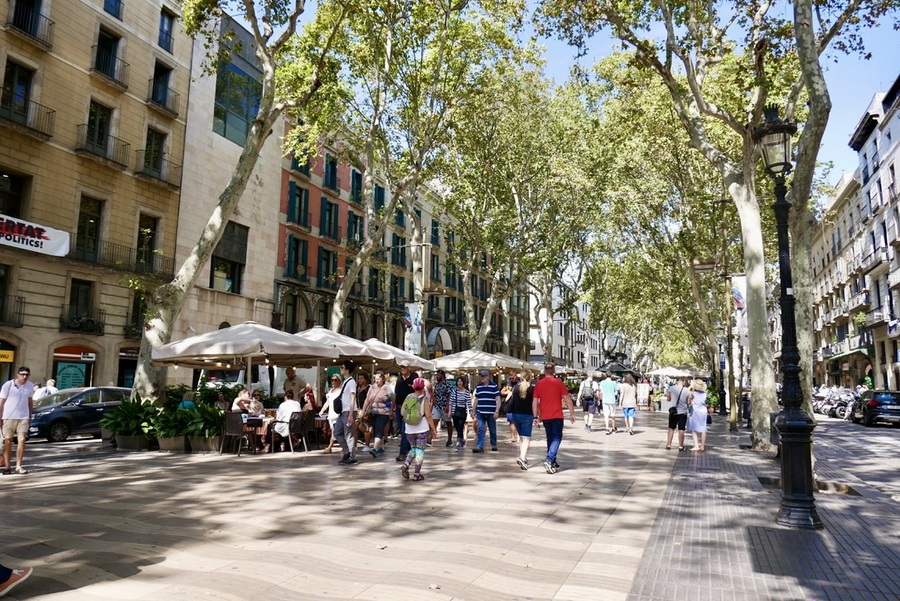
(859, 320)
(208, 395)
(174, 394)
(131, 418)
(206, 422)
(169, 424)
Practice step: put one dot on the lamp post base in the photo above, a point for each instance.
(798, 505)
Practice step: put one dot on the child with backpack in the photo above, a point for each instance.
(416, 414)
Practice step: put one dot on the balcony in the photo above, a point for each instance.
(82, 320)
(327, 282)
(826, 351)
(28, 117)
(296, 272)
(861, 340)
(12, 311)
(354, 242)
(858, 302)
(134, 327)
(23, 20)
(876, 318)
(332, 233)
(125, 258)
(162, 98)
(894, 279)
(112, 150)
(161, 170)
(840, 311)
(875, 259)
(110, 67)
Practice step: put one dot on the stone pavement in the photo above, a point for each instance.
(624, 519)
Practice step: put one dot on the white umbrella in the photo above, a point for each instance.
(520, 363)
(398, 355)
(346, 347)
(473, 360)
(239, 346)
(670, 372)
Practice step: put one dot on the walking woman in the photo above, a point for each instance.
(461, 409)
(520, 415)
(416, 415)
(378, 404)
(628, 401)
(696, 422)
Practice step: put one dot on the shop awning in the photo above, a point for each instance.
(868, 351)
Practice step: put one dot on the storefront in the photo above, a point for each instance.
(7, 360)
(73, 366)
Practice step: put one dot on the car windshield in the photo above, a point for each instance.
(54, 399)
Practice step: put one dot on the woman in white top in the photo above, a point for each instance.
(332, 394)
(418, 432)
(697, 418)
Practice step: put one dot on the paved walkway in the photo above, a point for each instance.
(624, 519)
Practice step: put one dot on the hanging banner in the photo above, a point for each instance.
(413, 322)
(31, 236)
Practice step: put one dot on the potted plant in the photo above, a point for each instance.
(205, 429)
(172, 428)
(712, 401)
(132, 425)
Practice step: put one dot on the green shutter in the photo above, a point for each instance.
(303, 208)
(323, 217)
(290, 268)
(292, 203)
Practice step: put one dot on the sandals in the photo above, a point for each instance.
(418, 477)
(21, 470)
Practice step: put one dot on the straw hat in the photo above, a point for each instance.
(698, 385)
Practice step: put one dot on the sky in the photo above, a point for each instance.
(852, 82)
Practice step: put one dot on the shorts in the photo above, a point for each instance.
(439, 414)
(522, 421)
(628, 411)
(679, 420)
(12, 427)
(589, 405)
(609, 410)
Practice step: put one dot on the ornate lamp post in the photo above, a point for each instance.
(794, 425)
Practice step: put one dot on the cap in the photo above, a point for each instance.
(404, 363)
(484, 372)
(418, 384)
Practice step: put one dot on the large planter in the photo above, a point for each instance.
(107, 438)
(135, 442)
(205, 445)
(175, 444)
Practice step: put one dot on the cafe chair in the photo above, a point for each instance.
(309, 427)
(295, 428)
(234, 428)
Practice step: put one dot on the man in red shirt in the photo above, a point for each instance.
(549, 394)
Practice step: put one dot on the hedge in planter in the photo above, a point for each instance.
(132, 419)
(206, 427)
(172, 428)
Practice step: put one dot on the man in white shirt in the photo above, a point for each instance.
(47, 390)
(342, 429)
(16, 405)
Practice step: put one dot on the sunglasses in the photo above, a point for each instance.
(24, 373)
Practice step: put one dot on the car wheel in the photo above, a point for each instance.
(58, 432)
(841, 413)
(868, 421)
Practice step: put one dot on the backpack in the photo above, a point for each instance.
(412, 409)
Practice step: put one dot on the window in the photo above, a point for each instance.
(27, 17)
(16, 93)
(298, 205)
(11, 194)
(354, 229)
(153, 153)
(296, 165)
(87, 240)
(379, 198)
(166, 26)
(291, 319)
(375, 280)
(146, 248)
(327, 268)
(356, 186)
(134, 325)
(296, 265)
(330, 179)
(435, 268)
(400, 217)
(435, 233)
(237, 100)
(98, 128)
(81, 294)
(113, 7)
(328, 222)
(398, 291)
(398, 250)
(229, 258)
(159, 87)
(106, 56)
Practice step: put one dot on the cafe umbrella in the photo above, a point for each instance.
(398, 355)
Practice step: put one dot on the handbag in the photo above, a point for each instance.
(673, 410)
(708, 419)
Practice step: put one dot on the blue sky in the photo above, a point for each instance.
(852, 82)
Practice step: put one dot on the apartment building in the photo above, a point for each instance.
(576, 345)
(856, 269)
(92, 120)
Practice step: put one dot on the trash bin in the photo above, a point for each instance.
(774, 435)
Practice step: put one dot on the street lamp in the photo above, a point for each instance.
(794, 425)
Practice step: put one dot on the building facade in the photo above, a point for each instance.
(92, 120)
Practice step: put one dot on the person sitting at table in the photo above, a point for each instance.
(221, 402)
(332, 394)
(282, 420)
(256, 407)
(187, 401)
(308, 399)
(241, 401)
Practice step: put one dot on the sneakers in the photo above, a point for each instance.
(587, 428)
(449, 444)
(549, 467)
(16, 578)
(631, 432)
(478, 450)
(374, 452)
(523, 463)
(352, 461)
(428, 444)
(494, 449)
(344, 459)
(366, 449)
(608, 432)
(401, 457)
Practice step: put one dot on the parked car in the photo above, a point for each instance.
(74, 411)
(878, 406)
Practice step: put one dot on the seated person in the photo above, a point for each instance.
(282, 419)
(242, 401)
(309, 399)
(187, 401)
(256, 407)
(221, 402)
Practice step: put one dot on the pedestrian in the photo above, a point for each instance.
(12, 577)
(441, 412)
(363, 418)
(521, 415)
(377, 401)
(46, 390)
(608, 390)
(549, 395)
(16, 406)
(344, 407)
(696, 421)
(678, 395)
(416, 414)
(628, 401)
(461, 409)
(587, 395)
(487, 410)
(506, 406)
(402, 389)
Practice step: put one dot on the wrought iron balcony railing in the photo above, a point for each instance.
(106, 63)
(125, 258)
(160, 169)
(29, 114)
(12, 311)
(84, 320)
(24, 18)
(106, 147)
(163, 97)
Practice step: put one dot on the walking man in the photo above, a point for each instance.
(608, 389)
(678, 412)
(342, 431)
(487, 410)
(587, 394)
(549, 395)
(16, 406)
